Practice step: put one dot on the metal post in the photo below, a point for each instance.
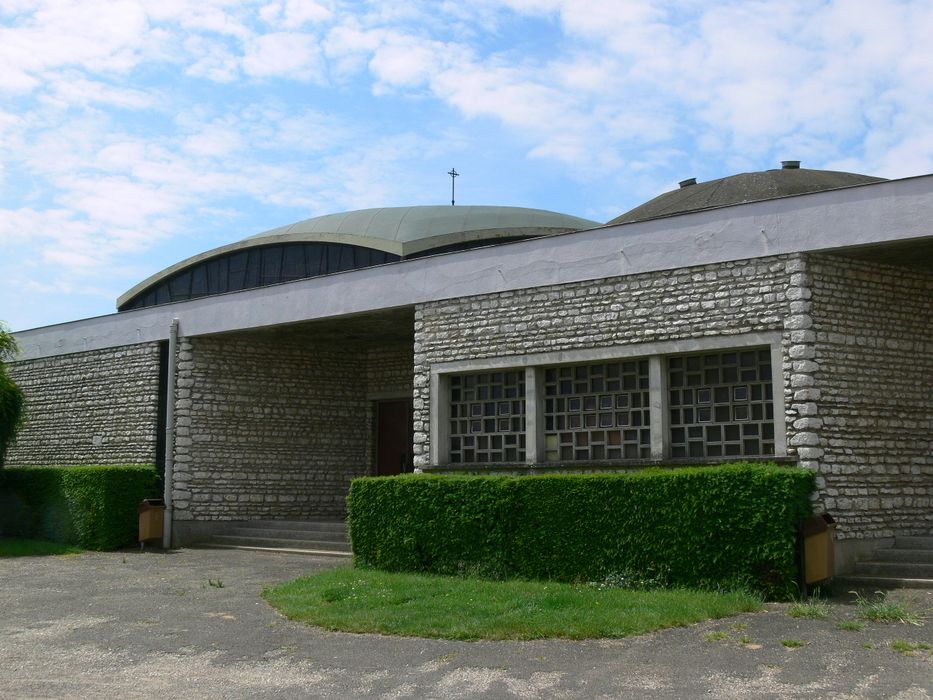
(170, 433)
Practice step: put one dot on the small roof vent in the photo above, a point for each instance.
(689, 181)
(790, 165)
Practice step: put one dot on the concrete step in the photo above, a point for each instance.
(284, 550)
(276, 542)
(895, 569)
(306, 525)
(914, 542)
(872, 583)
(283, 534)
(324, 537)
(918, 556)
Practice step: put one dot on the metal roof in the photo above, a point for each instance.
(742, 188)
(407, 230)
(402, 231)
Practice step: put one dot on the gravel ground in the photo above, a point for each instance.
(151, 625)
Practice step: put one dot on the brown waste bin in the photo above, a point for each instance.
(818, 535)
(151, 519)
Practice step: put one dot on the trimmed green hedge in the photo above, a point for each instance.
(95, 507)
(708, 527)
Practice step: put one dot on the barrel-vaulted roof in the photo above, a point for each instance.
(397, 231)
(408, 230)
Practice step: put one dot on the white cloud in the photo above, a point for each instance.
(126, 123)
(212, 59)
(294, 14)
(220, 17)
(406, 62)
(284, 54)
(65, 33)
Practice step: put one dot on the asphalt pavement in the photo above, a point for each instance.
(191, 623)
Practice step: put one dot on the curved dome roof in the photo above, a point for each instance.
(739, 189)
(392, 232)
(407, 230)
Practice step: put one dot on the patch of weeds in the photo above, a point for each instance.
(716, 636)
(335, 594)
(793, 643)
(215, 583)
(868, 645)
(745, 639)
(850, 625)
(810, 610)
(902, 646)
(448, 657)
(739, 627)
(882, 609)
(633, 581)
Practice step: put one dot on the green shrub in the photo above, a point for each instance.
(707, 527)
(94, 507)
(12, 406)
(444, 525)
(12, 399)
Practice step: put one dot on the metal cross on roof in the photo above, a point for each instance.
(453, 174)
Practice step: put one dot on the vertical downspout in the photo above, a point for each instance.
(170, 433)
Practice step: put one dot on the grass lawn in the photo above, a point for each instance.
(15, 547)
(360, 600)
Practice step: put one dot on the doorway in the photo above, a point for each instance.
(394, 437)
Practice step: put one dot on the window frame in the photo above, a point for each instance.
(535, 364)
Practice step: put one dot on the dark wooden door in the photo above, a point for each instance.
(393, 437)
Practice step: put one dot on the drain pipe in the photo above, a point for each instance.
(170, 434)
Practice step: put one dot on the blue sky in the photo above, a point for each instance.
(135, 133)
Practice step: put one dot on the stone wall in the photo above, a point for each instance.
(857, 346)
(388, 371)
(743, 296)
(275, 427)
(874, 349)
(95, 407)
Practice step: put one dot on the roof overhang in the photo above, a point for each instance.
(897, 213)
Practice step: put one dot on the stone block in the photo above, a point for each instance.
(808, 394)
(805, 440)
(798, 322)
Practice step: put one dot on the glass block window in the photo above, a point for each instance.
(721, 404)
(487, 417)
(599, 411)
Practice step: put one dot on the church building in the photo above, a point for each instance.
(784, 315)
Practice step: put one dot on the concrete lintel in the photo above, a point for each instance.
(388, 396)
(612, 352)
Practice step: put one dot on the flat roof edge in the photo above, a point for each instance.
(892, 211)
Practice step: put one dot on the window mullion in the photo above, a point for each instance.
(657, 397)
(534, 415)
